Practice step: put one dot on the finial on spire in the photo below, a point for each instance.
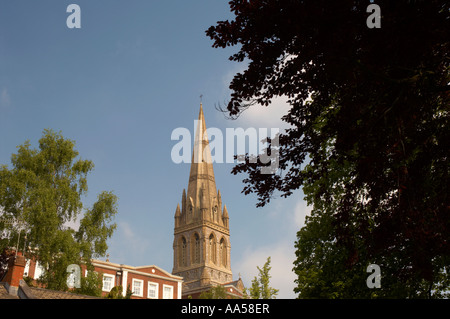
(201, 97)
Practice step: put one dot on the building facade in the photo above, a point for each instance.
(145, 282)
(201, 247)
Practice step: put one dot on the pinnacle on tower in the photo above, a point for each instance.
(225, 212)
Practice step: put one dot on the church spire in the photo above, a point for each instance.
(201, 235)
(202, 184)
(202, 152)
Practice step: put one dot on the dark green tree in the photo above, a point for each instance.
(43, 189)
(323, 266)
(370, 102)
(116, 293)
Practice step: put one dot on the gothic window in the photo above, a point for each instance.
(223, 252)
(212, 248)
(183, 252)
(196, 247)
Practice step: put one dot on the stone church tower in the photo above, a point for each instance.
(201, 247)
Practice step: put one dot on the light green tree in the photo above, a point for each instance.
(91, 285)
(43, 188)
(260, 288)
(216, 292)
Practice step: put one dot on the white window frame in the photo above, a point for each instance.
(112, 283)
(156, 285)
(141, 282)
(26, 271)
(171, 291)
(38, 270)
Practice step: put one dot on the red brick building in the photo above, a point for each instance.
(146, 282)
(12, 285)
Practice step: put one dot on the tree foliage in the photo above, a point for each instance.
(116, 293)
(43, 189)
(216, 292)
(326, 268)
(370, 102)
(260, 288)
(91, 284)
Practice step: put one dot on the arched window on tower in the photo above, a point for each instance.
(183, 252)
(212, 248)
(196, 245)
(223, 252)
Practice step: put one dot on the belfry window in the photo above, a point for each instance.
(223, 252)
(212, 248)
(196, 248)
(183, 252)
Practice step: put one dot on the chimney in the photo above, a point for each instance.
(16, 267)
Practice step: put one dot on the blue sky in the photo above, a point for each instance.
(119, 86)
